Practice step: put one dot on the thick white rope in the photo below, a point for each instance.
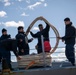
(54, 29)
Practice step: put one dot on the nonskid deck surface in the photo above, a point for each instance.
(57, 68)
(54, 65)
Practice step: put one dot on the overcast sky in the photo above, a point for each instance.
(14, 13)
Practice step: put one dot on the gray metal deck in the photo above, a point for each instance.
(58, 68)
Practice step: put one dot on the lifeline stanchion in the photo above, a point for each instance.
(42, 40)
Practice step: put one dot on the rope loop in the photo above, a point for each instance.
(53, 28)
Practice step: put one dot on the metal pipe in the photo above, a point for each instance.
(43, 52)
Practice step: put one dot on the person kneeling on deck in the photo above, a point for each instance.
(8, 45)
(45, 33)
(22, 42)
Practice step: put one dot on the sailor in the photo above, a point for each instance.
(44, 32)
(6, 54)
(69, 38)
(22, 41)
(6, 46)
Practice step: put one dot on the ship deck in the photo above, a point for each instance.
(57, 68)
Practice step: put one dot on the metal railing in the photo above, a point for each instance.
(57, 56)
(54, 55)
